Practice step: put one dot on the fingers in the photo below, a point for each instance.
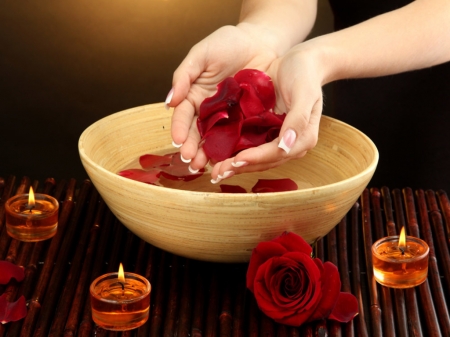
(301, 128)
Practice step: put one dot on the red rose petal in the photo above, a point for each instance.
(274, 185)
(265, 119)
(220, 141)
(293, 243)
(250, 103)
(228, 93)
(146, 176)
(205, 125)
(346, 308)
(152, 160)
(261, 82)
(260, 254)
(232, 189)
(9, 270)
(248, 140)
(12, 311)
(331, 287)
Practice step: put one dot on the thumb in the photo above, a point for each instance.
(300, 130)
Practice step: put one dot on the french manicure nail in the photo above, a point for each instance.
(215, 181)
(288, 140)
(184, 160)
(168, 99)
(176, 145)
(226, 174)
(192, 170)
(239, 163)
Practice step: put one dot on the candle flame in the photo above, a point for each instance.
(402, 239)
(31, 201)
(121, 274)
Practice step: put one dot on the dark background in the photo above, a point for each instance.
(66, 64)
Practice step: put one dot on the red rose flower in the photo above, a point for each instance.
(239, 116)
(292, 288)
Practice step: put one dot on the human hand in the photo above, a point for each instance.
(220, 55)
(298, 81)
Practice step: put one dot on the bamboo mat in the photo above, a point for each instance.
(193, 298)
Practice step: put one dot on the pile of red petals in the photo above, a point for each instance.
(292, 288)
(169, 166)
(11, 311)
(239, 116)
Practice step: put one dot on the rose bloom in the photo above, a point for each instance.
(292, 288)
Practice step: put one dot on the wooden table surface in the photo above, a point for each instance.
(194, 298)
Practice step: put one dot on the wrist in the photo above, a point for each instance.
(269, 37)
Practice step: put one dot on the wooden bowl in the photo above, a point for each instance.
(201, 224)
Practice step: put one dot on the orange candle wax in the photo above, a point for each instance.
(400, 261)
(31, 217)
(120, 301)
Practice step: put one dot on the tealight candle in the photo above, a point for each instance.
(400, 261)
(31, 217)
(120, 301)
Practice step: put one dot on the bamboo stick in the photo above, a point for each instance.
(239, 306)
(439, 234)
(386, 301)
(172, 299)
(185, 311)
(86, 326)
(226, 314)
(212, 310)
(433, 269)
(150, 273)
(156, 317)
(373, 292)
(344, 269)
(414, 323)
(70, 285)
(83, 283)
(399, 294)
(59, 271)
(253, 326)
(333, 326)
(429, 312)
(7, 193)
(356, 279)
(445, 207)
(267, 327)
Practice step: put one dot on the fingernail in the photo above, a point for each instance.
(288, 140)
(168, 99)
(239, 164)
(192, 170)
(226, 174)
(176, 145)
(215, 181)
(184, 160)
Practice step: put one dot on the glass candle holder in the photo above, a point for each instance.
(31, 222)
(400, 267)
(118, 305)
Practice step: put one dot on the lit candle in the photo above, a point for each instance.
(120, 301)
(31, 217)
(400, 261)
